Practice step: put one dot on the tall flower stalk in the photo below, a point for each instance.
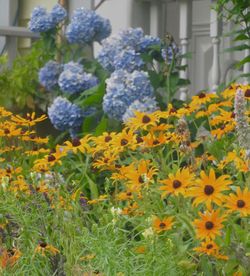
(242, 126)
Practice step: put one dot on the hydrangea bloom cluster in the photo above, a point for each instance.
(42, 21)
(123, 88)
(65, 115)
(49, 74)
(132, 39)
(146, 42)
(58, 13)
(73, 79)
(146, 104)
(169, 52)
(128, 60)
(87, 26)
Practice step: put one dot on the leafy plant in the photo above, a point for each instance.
(238, 12)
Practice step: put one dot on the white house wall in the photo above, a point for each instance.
(126, 13)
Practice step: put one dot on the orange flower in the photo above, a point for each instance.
(9, 257)
(163, 224)
(223, 129)
(142, 121)
(44, 248)
(29, 120)
(209, 189)
(210, 248)
(141, 174)
(124, 139)
(239, 202)
(209, 225)
(203, 98)
(177, 183)
(77, 144)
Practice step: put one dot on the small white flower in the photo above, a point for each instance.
(115, 211)
(149, 232)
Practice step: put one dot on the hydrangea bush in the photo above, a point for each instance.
(131, 70)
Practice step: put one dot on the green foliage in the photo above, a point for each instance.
(238, 12)
(19, 85)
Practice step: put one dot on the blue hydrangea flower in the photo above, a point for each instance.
(123, 88)
(130, 38)
(103, 28)
(146, 104)
(58, 13)
(148, 41)
(73, 79)
(86, 26)
(40, 20)
(128, 60)
(74, 67)
(110, 48)
(65, 115)
(49, 74)
(169, 52)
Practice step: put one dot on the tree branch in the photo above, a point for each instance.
(99, 4)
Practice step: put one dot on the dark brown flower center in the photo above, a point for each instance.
(107, 138)
(11, 252)
(222, 127)
(8, 170)
(209, 189)
(140, 179)
(51, 158)
(28, 117)
(209, 225)
(106, 160)
(209, 246)
(162, 225)
(233, 115)
(202, 95)
(139, 139)
(129, 194)
(240, 203)
(172, 110)
(156, 142)
(32, 136)
(6, 131)
(145, 119)
(124, 142)
(76, 142)
(43, 244)
(176, 184)
(35, 148)
(247, 93)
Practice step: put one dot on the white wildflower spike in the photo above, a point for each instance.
(242, 126)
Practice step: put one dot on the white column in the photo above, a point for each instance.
(246, 67)
(155, 17)
(215, 33)
(185, 34)
(74, 4)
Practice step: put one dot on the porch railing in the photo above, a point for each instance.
(185, 36)
(11, 33)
